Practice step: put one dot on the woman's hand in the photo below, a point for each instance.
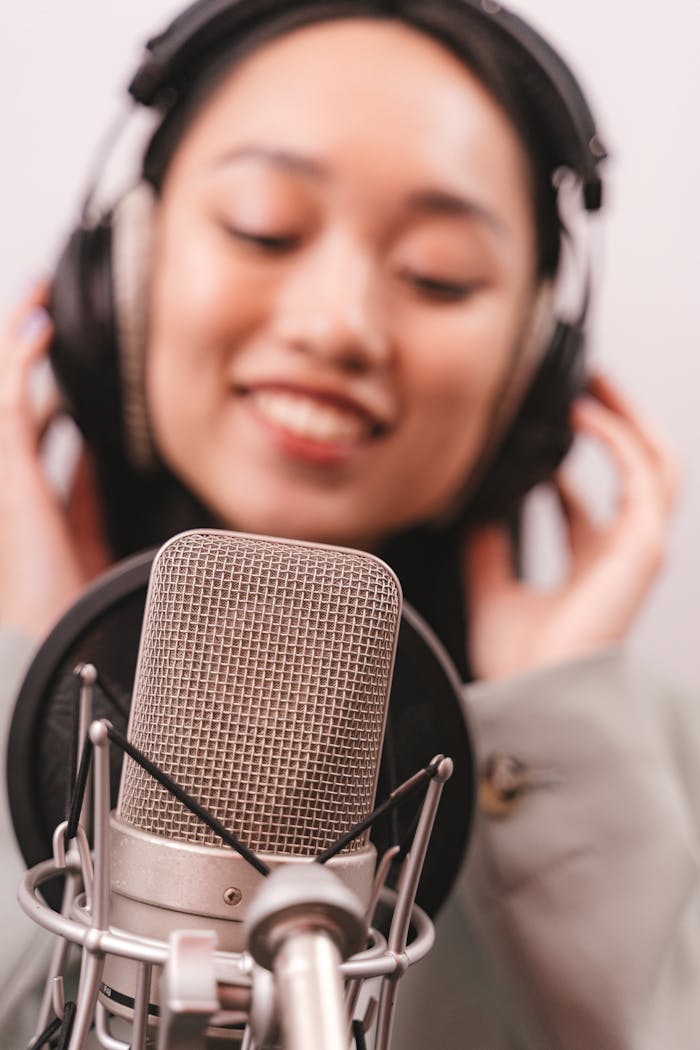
(514, 627)
(47, 551)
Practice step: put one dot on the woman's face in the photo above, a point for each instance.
(344, 264)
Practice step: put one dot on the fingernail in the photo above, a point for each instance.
(35, 323)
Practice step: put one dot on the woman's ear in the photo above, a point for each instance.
(132, 254)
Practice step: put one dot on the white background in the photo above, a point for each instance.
(63, 66)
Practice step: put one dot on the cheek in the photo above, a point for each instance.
(193, 287)
(202, 307)
(183, 361)
(457, 364)
(454, 371)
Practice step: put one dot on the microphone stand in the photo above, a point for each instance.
(303, 924)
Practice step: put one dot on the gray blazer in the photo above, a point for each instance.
(576, 922)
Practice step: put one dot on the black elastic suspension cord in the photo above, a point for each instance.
(418, 782)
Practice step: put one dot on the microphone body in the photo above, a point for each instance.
(262, 688)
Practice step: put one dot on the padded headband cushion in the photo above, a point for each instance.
(132, 236)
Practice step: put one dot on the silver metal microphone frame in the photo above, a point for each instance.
(202, 990)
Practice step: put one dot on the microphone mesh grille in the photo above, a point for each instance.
(262, 687)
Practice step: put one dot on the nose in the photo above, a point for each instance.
(329, 306)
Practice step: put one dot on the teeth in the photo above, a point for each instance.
(310, 418)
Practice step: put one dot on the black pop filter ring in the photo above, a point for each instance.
(426, 717)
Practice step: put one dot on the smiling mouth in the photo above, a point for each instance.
(312, 418)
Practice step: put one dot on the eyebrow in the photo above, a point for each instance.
(442, 202)
(280, 158)
(427, 201)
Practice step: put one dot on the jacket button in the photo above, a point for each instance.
(505, 779)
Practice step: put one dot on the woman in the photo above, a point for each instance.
(406, 155)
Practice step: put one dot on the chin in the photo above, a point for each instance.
(296, 519)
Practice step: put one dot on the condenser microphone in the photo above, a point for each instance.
(260, 696)
(261, 688)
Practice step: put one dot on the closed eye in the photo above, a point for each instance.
(438, 288)
(276, 243)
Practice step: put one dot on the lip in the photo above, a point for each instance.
(370, 405)
(305, 447)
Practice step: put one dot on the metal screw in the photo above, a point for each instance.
(233, 896)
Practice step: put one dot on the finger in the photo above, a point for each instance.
(47, 409)
(16, 417)
(488, 560)
(643, 507)
(580, 526)
(22, 352)
(34, 334)
(605, 390)
(25, 338)
(37, 294)
(656, 444)
(31, 344)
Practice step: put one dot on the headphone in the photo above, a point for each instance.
(99, 286)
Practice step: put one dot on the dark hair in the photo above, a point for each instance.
(490, 55)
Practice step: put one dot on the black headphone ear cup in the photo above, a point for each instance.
(540, 435)
(84, 353)
(98, 305)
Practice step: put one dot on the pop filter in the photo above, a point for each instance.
(426, 717)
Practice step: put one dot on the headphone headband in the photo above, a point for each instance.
(210, 25)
